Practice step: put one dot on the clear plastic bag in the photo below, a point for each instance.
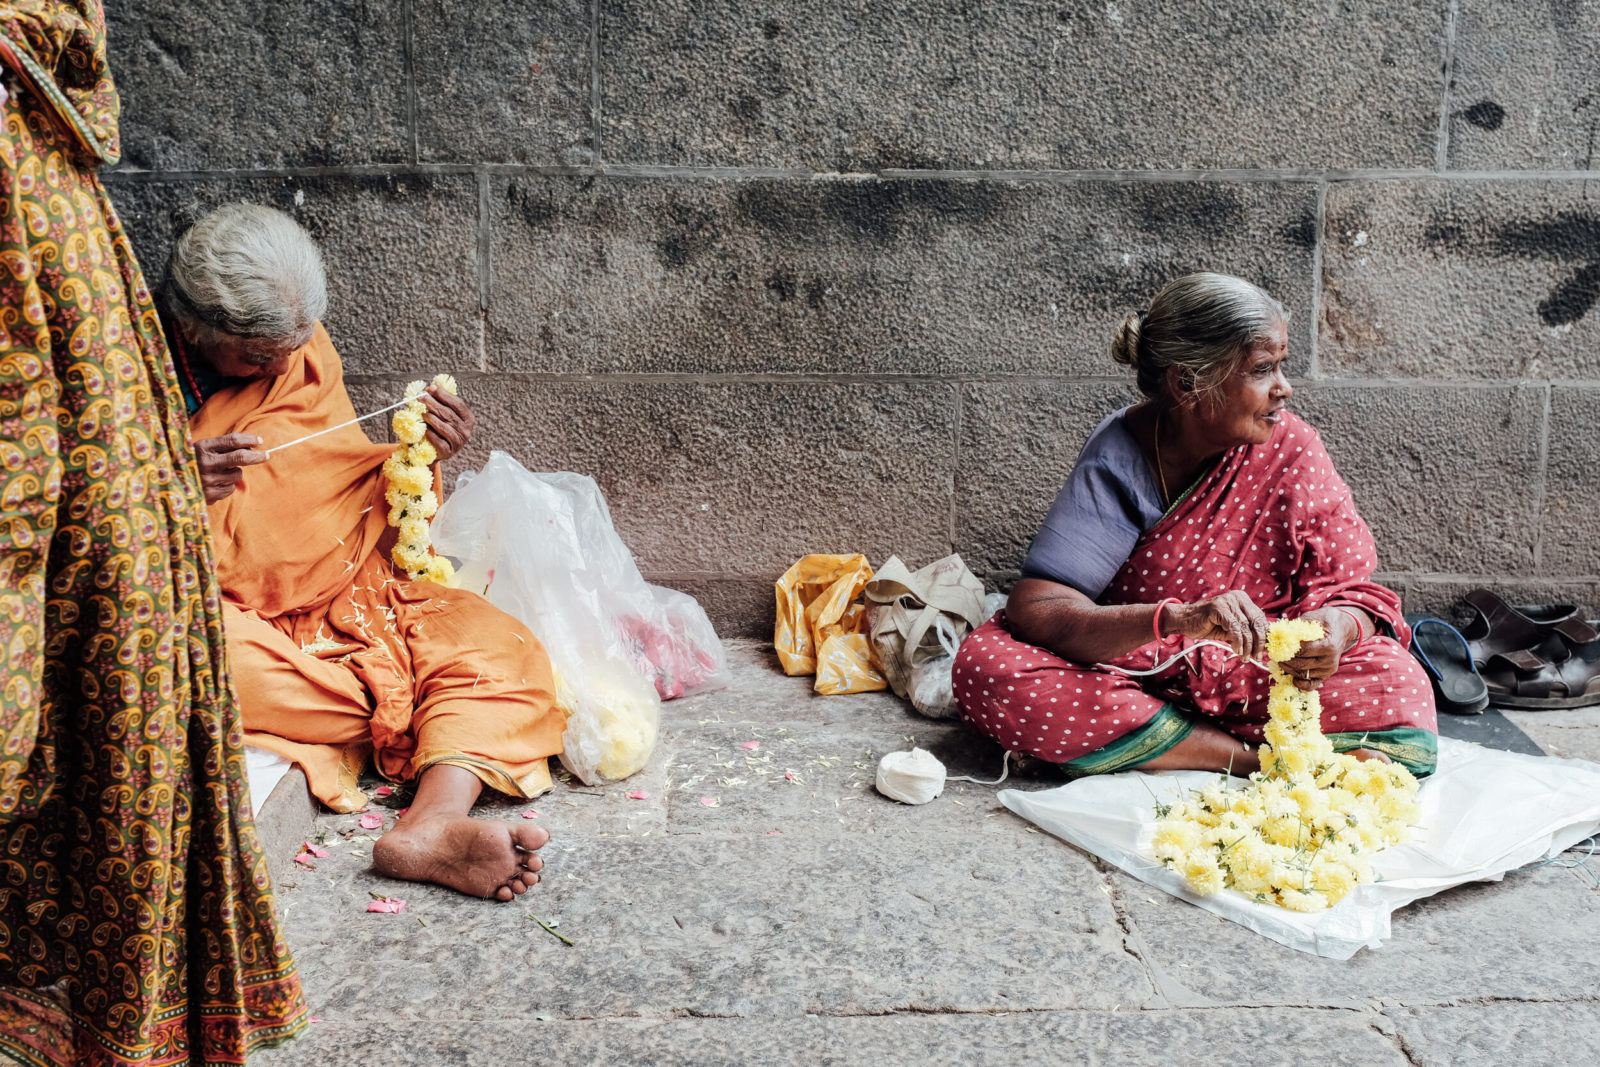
(541, 547)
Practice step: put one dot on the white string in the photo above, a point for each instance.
(1161, 667)
(1005, 771)
(342, 425)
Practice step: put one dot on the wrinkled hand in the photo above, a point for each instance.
(222, 461)
(1231, 618)
(450, 422)
(1317, 660)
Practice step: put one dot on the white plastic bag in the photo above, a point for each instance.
(1484, 812)
(542, 547)
(931, 688)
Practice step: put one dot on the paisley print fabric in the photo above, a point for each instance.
(136, 917)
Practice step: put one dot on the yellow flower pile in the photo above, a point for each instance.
(1303, 832)
(412, 501)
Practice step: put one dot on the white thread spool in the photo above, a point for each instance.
(914, 777)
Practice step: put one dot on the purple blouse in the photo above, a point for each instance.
(1109, 501)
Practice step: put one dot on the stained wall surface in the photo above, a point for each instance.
(830, 275)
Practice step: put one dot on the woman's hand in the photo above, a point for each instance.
(1317, 660)
(1231, 618)
(450, 422)
(222, 461)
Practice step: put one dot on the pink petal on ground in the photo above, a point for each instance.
(383, 790)
(709, 802)
(316, 1018)
(790, 776)
(387, 906)
(751, 745)
(304, 860)
(372, 821)
(638, 794)
(774, 833)
(530, 814)
(320, 853)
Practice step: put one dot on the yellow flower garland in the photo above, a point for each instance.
(1303, 833)
(410, 494)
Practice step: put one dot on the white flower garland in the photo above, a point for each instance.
(412, 502)
(1303, 833)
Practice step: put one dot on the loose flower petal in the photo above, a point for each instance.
(372, 821)
(709, 802)
(304, 860)
(386, 906)
(638, 794)
(383, 791)
(320, 853)
(750, 745)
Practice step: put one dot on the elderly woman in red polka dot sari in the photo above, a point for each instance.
(1196, 515)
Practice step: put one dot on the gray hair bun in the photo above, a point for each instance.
(1125, 345)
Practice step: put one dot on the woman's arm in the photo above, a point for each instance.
(1064, 621)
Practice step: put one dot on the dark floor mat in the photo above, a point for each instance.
(1491, 730)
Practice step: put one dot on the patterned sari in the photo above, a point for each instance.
(1274, 520)
(136, 916)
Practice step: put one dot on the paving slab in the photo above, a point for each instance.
(1449, 280)
(1523, 85)
(239, 84)
(1528, 937)
(943, 83)
(1492, 1034)
(1568, 742)
(702, 924)
(1240, 1037)
(862, 276)
(499, 81)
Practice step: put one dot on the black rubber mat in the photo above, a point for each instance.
(1491, 730)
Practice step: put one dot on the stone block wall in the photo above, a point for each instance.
(833, 275)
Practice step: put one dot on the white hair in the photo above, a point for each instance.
(249, 271)
(1202, 324)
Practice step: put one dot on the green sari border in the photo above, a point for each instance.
(1417, 750)
(1160, 734)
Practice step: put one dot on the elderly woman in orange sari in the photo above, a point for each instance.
(339, 658)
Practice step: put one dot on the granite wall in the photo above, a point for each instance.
(836, 275)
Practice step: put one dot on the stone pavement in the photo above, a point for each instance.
(764, 905)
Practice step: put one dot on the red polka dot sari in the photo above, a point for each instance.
(1274, 520)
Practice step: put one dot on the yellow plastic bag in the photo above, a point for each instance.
(821, 627)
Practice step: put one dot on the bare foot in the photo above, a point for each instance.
(1364, 754)
(478, 857)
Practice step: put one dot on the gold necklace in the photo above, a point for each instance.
(1160, 471)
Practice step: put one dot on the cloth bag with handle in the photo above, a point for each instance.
(916, 621)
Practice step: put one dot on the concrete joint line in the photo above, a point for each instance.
(1442, 143)
(596, 97)
(409, 52)
(1541, 479)
(1315, 362)
(644, 171)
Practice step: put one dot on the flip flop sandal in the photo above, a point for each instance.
(1527, 680)
(1446, 656)
(1497, 627)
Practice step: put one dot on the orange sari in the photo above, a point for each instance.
(335, 656)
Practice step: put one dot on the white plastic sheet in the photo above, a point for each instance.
(1484, 812)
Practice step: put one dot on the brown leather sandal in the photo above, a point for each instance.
(1540, 657)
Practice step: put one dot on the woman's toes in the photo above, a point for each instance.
(517, 887)
(530, 838)
(531, 862)
(503, 894)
